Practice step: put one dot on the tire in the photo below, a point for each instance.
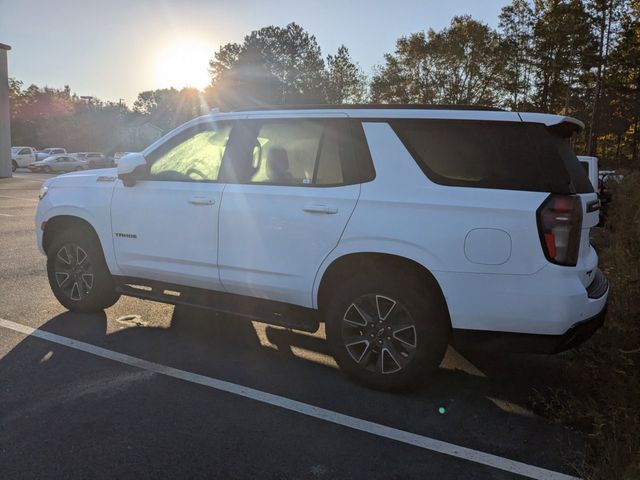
(14, 166)
(46, 169)
(387, 330)
(77, 271)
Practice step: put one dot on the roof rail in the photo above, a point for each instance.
(368, 106)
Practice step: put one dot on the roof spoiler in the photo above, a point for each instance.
(559, 124)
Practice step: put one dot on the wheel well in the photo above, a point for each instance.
(61, 223)
(374, 263)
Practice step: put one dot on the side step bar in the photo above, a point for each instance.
(265, 311)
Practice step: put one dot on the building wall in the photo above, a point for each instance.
(5, 127)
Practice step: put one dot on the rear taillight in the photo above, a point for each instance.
(560, 224)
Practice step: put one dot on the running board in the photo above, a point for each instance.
(265, 311)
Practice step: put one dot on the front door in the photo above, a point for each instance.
(165, 227)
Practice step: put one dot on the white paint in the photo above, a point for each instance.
(6, 215)
(330, 416)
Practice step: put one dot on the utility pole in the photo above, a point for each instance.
(5, 126)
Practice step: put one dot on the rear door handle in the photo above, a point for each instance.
(320, 209)
(201, 200)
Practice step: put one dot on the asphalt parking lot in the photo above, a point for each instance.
(146, 390)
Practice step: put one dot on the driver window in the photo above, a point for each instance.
(195, 156)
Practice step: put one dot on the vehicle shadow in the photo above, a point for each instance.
(478, 401)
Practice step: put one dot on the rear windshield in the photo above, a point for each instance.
(501, 155)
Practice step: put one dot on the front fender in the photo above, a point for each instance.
(96, 214)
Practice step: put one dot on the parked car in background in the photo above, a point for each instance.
(58, 163)
(608, 176)
(22, 157)
(590, 165)
(117, 156)
(47, 152)
(95, 159)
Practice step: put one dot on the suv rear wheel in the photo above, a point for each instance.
(78, 273)
(387, 331)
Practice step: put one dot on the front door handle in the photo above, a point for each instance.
(201, 200)
(320, 209)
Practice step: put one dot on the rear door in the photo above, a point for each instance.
(290, 192)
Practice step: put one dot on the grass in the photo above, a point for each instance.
(603, 401)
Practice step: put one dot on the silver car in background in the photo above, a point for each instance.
(58, 163)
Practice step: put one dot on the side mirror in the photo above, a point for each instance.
(132, 167)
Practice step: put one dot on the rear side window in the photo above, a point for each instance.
(500, 155)
(298, 152)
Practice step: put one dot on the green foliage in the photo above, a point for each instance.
(517, 21)
(167, 107)
(344, 80)
(45, 117)
(272, 65)
(280, 65)
(459, 65)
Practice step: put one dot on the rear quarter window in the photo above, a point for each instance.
(498, 155)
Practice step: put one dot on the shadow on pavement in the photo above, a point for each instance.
(483, 400)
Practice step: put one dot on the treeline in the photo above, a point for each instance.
(574, 57)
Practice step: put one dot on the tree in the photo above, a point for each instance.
(516, 25)
(167, 107)
(344, 81)
(563, 53)
(458, 65)
(289, 55)
(605, 16)
(624, 85)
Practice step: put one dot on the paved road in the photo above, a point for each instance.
(67, 413)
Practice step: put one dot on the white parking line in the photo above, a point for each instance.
(6, 215)
(330, 416)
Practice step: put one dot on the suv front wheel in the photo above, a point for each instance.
(387, 331)
(78, 273)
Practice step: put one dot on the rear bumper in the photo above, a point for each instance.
(548, 302)
(529, 343)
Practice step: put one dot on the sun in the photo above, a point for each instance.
(183, 64)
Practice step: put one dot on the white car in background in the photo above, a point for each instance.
(22, 157)
(47, 152)
(401, 228)
(590, 165)
(94, 159)
(58, 163)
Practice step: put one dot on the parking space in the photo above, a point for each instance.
(157, 391)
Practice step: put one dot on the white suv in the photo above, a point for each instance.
(403, 229)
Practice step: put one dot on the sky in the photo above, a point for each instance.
(114, 49)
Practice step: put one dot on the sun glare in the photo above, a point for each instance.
(183, 64)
